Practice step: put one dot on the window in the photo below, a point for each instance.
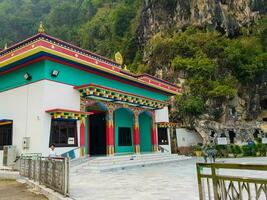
(5, 135)
(163, 136)
(125, 138)
(63, 133)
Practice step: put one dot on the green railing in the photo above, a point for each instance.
(215, 183)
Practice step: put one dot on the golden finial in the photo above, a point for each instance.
(41, 28)
(126, 68)
(118, 58)
(5, 46)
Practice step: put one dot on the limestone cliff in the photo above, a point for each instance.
(243, 116)
(227, 16)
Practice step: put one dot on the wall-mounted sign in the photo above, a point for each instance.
(264, 140)
(71, 140)
(222, 141)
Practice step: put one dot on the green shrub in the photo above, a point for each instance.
(249, 151)
(261, 149)
(235, 149)
(197, 148)
(222, 151)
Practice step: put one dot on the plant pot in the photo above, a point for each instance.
(198, 153)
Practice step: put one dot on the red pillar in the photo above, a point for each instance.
(136, 133)
(82, 137)
(154, 133)
(110, 132)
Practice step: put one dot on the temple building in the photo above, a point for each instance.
(53, 92)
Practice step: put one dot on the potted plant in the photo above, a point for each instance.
(198, 151)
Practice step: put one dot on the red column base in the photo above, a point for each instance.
(110, 150)
(137, 148)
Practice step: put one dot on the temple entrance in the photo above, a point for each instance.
(97, 136)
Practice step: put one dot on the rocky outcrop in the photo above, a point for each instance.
(243, 115)
(241, 118)
(226, 16)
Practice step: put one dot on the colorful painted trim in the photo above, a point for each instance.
(159, 82)
(44, 43)
(109, 94)
(67, 114)
(5, 122)
(167, 124)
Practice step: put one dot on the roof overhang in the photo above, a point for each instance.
(59, 113)
(118, 96)
(5, 122)
(45, 43)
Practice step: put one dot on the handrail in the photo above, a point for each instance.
(224, 187)
(162, 148)
(51, 172)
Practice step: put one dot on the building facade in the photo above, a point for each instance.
(54, 92)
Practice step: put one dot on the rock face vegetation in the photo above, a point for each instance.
(214, 49)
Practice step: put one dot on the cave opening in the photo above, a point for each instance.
(232, 136)
(256, 134)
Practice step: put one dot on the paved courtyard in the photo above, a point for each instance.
(160, 182)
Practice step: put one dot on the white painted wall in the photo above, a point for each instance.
(186, 138)
(1, 157)
(59, 95)
(162, 115)
(26, 106)
(23, 105)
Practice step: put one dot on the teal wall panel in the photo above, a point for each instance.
(16, 78)
(77, 77)
(68, 75)
(145, 132)
(123, 118)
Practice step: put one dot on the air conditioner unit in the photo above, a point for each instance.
(9, 155)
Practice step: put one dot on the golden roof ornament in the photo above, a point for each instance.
(126, 68)
(118, 58)
(5, 46)
(41, 28)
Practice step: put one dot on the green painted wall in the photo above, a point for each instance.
(16, 79)
(123, 118)
(76, 77)
(68, 75)
(145, 132)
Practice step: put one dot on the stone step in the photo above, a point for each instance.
(102, 164)
(92, 169)
(108, 162)
(111, 158)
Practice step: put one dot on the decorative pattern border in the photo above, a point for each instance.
(109, 94)
(67, 114)
(167, 124)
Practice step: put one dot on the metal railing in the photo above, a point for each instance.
(217, 184)
(51, 172)
(162, 149)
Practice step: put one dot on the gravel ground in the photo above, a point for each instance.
(12, 190)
